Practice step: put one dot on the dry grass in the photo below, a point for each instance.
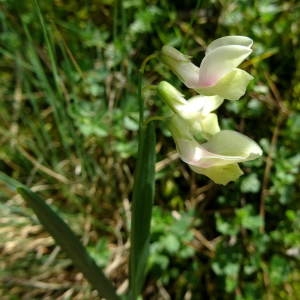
(33, 267)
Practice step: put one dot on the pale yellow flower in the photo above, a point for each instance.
(200, 143)
(218, 73)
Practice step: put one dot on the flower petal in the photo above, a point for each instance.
(224, 148)
(230, 40)
(204, 104)
(171, 96)
(199, 128)
(232, 86)
(179, 128)
(181, 65)
(196, 154)
(220, 61)
(209, 125)
(196, 111)
(220, 174)
(232, 143)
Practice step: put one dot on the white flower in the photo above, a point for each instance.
(218, 158)
(218, 73)
(200, 143)
(196, 113)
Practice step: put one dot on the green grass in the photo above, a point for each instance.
(69, 111)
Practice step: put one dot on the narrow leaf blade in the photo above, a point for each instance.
(142, 202)
(69, 242)
(64, 237)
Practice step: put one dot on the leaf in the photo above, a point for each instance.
(142, 202)
(64, 237)
(250, 184)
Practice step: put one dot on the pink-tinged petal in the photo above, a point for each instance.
(181, 65)
(223, 148)
(220, 174)
(230, 40)
(196, 154)
(232, 86)
(220, 61)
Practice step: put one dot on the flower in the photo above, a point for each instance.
(218, 73)
(196, 113)
(218, 158)
(200, 143)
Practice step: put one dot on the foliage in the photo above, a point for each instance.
(69, 130)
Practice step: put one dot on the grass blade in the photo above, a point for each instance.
(64, 237)
(142, 202)
(11, 183)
